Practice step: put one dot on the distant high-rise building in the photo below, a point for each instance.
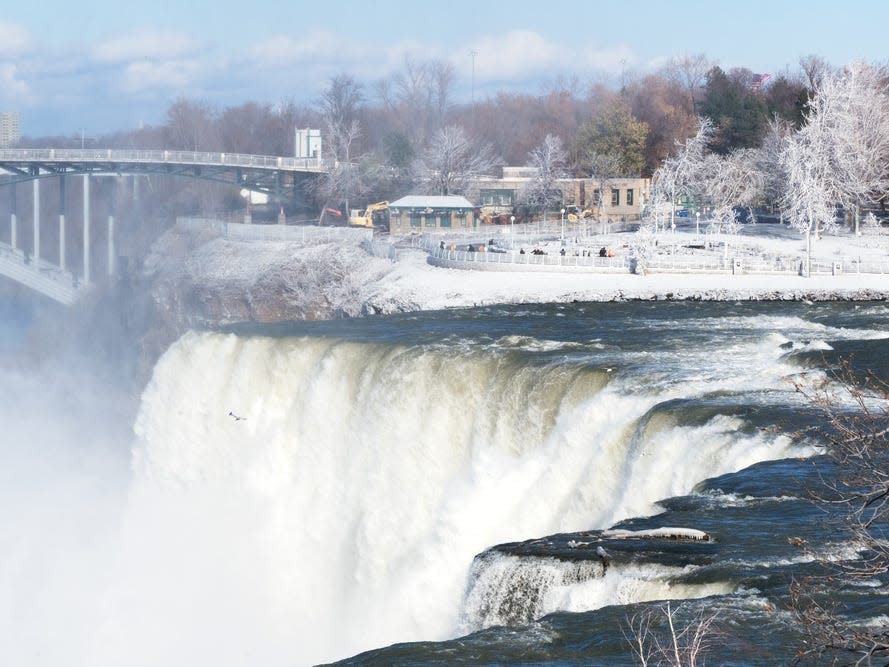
(9, 128)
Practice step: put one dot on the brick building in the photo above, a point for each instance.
(619, 199)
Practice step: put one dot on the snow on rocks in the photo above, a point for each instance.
(202, 280)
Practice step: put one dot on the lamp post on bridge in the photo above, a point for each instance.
(512, 231)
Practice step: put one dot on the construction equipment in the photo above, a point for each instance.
(374, 216)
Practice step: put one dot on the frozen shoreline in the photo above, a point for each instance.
(413, 284)
(201, 279)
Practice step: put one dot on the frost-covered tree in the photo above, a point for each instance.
(769, 160)
(857, 103)
(841, 154)
(730, 181)
(810, 198)
(548, 160)
(343, 180)
(452, 161)
(340, 103)
(680, 176)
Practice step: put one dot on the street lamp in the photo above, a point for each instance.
(563, 226)
(512, 231)
(698, 223)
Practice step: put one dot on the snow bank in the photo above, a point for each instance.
(268, 281)
(665, 533)
(413, 284)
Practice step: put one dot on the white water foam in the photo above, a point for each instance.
(344, 510)
(507, 589)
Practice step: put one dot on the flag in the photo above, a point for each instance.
(760, 80)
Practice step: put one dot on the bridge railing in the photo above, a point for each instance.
(162, 157)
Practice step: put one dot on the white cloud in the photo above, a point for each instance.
(13, 90)
(284, 50)
(164, 74)
(139, 46)
(524, 54)
(14, 39)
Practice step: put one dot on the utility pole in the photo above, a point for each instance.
(473, 54)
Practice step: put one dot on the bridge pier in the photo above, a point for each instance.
(62, 223)
(111, 230)
(86, 228)
(36, 258)
(12, 219)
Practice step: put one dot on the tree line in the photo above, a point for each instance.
(396, 127)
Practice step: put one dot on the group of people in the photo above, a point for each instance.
(603, 251)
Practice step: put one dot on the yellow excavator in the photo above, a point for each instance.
(374, 216)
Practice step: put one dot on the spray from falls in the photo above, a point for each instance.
(305, 499)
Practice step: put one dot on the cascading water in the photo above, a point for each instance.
(298, 498)
(363, 478)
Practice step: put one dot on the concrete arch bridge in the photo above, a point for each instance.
(279, 177)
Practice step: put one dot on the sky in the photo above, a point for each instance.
(94, 67)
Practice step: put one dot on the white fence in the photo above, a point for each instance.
(293, 233)
(381, 249)
(514, 261)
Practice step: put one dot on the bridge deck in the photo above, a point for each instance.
(22, 157)
(41, 276)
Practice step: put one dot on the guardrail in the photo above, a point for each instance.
(162, 157)
(257, 232)
(738, 265)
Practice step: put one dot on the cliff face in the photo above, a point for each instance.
(196, 280)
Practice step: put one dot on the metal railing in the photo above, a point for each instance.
(239, 231)
(39, 275)
(516, 261)
(739, 265)
(162, 157)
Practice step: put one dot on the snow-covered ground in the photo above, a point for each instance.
(414, 284)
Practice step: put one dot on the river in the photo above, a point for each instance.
(300, 493)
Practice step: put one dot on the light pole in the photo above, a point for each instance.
(512, 231)
(698, 223)
(563, 226)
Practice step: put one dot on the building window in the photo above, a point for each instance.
(416, 220)
(497, 197)
(629, 196)
(444, 220)
(597, 197)
(615, 197)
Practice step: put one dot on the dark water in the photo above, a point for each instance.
(432, 488)
(755, 517)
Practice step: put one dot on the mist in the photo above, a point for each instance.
(64, 469)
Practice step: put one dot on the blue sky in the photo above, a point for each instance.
(102, 66)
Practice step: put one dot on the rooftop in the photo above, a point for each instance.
(432, 201)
